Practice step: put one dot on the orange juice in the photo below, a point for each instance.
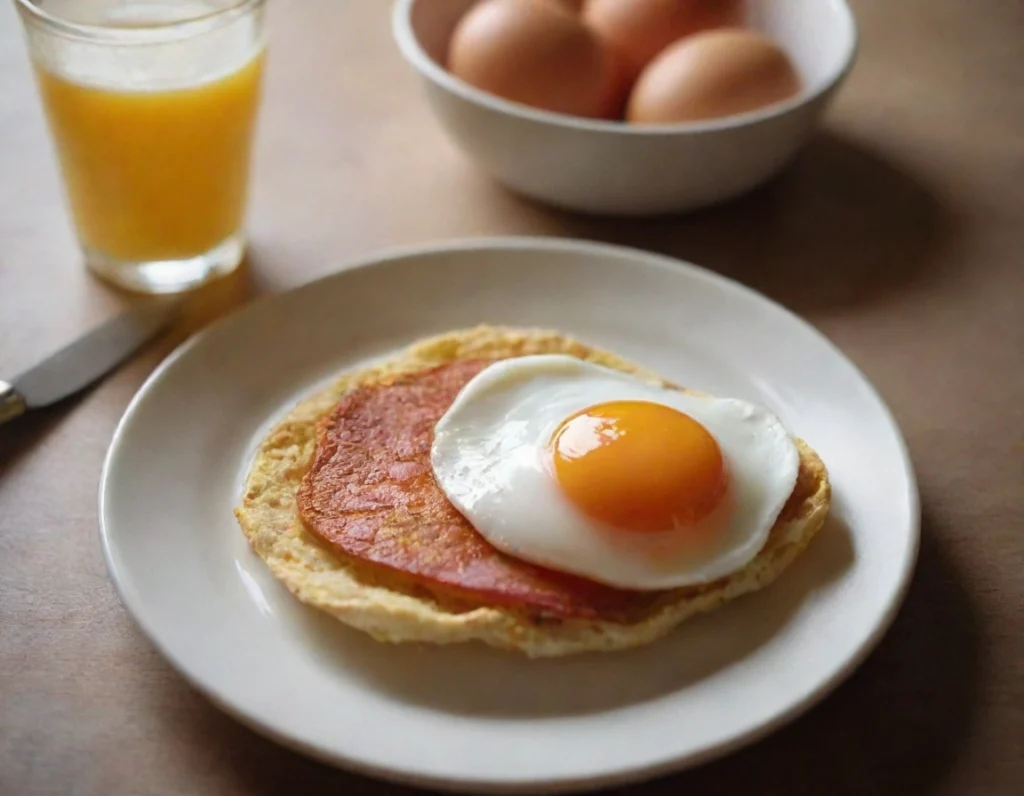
(155, 174)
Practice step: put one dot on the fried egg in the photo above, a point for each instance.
(592, 472)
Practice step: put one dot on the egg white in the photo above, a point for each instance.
(490, 457)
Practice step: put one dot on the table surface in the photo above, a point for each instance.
(899, 233)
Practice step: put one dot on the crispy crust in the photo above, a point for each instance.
(319, 577)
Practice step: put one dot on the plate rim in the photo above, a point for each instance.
(625, 775)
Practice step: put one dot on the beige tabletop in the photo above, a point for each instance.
(899, 233)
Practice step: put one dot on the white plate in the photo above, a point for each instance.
(469, 717)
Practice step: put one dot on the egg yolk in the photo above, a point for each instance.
(638, 466)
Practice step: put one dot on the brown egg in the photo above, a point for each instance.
(640, 29)
(538, 53)
(713, 74)
(574, 5)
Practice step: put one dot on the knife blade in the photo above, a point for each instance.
(84, 361)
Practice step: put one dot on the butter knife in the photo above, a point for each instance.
(84, 361)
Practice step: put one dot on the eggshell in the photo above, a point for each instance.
(713, 74)
(538, 53)
(640, 29)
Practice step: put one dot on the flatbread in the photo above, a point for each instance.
(320, 577)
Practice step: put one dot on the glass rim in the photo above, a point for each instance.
(163, 30)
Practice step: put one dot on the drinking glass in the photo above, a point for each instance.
(151, 106)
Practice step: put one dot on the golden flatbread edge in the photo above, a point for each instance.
(316, 575)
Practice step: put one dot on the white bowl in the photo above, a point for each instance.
(611, 167)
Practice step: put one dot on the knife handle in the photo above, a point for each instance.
(12, 405)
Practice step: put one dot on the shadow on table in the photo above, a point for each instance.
(843, 225)
(19, 436)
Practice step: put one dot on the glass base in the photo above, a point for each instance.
(169, 276)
